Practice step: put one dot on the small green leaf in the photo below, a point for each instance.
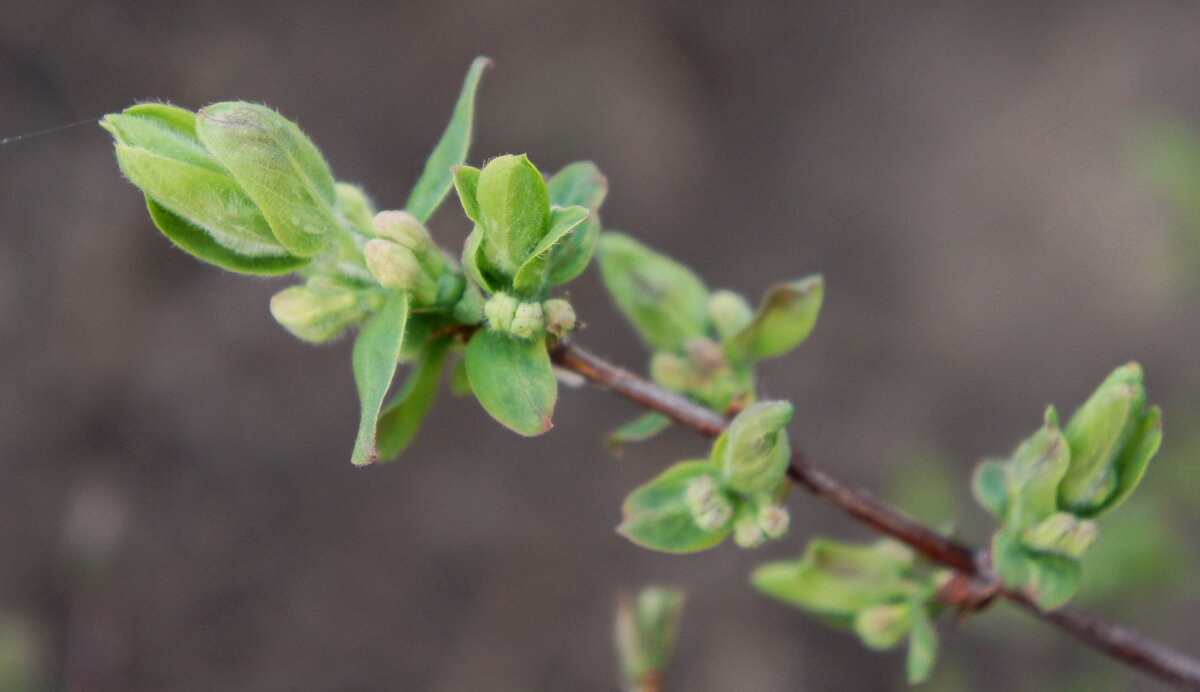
(1036, 472)
(639, 429)
(1050, 580)
(1062, 533)
(922, 646)
(530, 278)
(664, 300)
(401, 418)
(658, 516)
(374, 359)
(990, 486)
(199, 244)
(162, 130)
(451, 149)
(513, 380)
(278, 167)
(579, 184)
(783, 321)
(753, 453)
(514, 211)
(883, 626)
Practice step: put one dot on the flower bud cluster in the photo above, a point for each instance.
(404, 257)
(709, 508)
(528, 319)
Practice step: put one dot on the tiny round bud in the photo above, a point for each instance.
(747, 534)
(773, 520)
(403, 228)
(560, 316)
(705, 354)
(528, 321)
(715, 516)
(500, 310)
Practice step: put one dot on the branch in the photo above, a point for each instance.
(1117, 641)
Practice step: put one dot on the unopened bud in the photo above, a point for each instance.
(403, 228)
(316, 314)
(747, 533)
(528, 321)
(395, 266)
(755, 454)
(715, 517)
(883, 626)
(705, 354)
(560, 316)
(730, 313)
(773, 520)
(499, 311)
(671, 371)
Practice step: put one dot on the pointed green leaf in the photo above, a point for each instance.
(990, 486)
(922, 646)
(783, 321)
(278, 167)
(1036, 473)
(579, 184)
(639, 429)
(1054, 580)
(199, 244)
(466, 183)
(514, 211)
(513, 380)
(162, 130)
(451, 149)
(401, 418)
(657, 515)
(664, 300)
(530, 278)
(646, 629)
(374, 359)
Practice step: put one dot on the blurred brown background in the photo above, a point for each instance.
(177, 508)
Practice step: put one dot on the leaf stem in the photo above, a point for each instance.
(1115, 640)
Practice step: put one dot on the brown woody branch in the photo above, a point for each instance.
(972, 566)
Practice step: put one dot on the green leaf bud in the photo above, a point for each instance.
(158, 150)
(500, 310)
(729, 312)
(528, 321)
(1112, 437)
(709, 507)
(705, 355)
(883, 626)
(316, 313)
(395, 266)
(514, 211)
(754, 454)
(278, 167)
(560, 316)
(646, 630)
(1062, 533)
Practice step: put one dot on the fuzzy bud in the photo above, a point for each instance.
(528, 321)
(395, 266)
(316, 314)
(500, 310)
(560, 316)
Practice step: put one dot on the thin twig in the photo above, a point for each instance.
(1117, 641)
